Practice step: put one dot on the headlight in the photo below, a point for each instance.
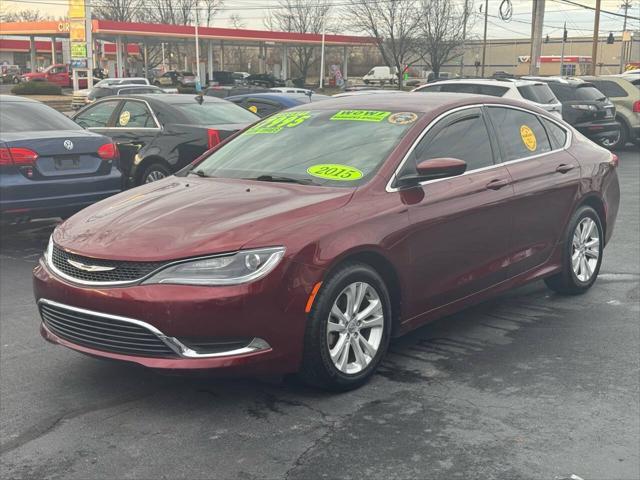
(49, 251)
(242, 267)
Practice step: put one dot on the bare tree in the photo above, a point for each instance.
(395, 23)
(117, 10)
(441, 32)
(301, 16)
(25, 15)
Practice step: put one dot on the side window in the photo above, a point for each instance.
(609, 88)
(557, 134)
(459, 88)
(97, 116)
(262, 109)
(135, 115)
(521, 133)
(462, 135)
(429, 89)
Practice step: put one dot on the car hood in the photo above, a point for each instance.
(182, 217)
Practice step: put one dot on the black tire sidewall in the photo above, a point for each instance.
(154, 166)
(578, 217)
(316, 348)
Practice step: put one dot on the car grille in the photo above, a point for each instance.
(122, 271)
(104, 333)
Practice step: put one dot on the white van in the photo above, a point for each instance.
(381, 75)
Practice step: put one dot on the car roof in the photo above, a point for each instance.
(174, 98)
(570, 81)
(486, 81)
(292, 98)
(16, 98)
(407, 101)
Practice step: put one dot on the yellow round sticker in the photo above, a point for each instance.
(402, 118)
(528, 138)
(334, 171)
(124, 118)
(253, 109)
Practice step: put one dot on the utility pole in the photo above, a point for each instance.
(464, 35)
(536, 42)
(324, 19)
(564, 40)
(626, 5)
(596, 29)
(484, 41)
(198, 79)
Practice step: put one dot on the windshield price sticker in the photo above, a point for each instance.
(403, 118)
(334, 171)
(124, 118)
(277, 122)
(361, 115)
(528, 138)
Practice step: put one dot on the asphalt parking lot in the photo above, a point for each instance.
(528, 386)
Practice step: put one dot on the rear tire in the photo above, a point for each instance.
(619, 142)
(582, 254)
(348, 329)
(153, 172)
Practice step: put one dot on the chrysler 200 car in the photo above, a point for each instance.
(307, 241)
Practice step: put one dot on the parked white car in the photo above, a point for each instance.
(381, 75)
(80, 99)
(536, 93)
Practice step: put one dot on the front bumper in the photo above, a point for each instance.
(269, 312)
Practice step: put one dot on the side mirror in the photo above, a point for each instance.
(433, 169)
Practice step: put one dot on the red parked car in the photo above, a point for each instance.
(59, 74)
(308, 240)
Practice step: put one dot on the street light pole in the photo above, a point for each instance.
(198, 79)
(596, 29)
(626, 5)
(484, 41)
(464, 35)
(564, 39)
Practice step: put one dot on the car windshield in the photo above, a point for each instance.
(215, 113)
(322, 147)
(23, 117)
(567, 93)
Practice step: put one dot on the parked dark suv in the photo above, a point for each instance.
(264, 80)
(586, 108)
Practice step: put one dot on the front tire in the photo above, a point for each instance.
(348, 329)
(582, 255)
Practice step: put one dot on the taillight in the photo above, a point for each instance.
(213, 137)
(17, 156)
(636, 106)
(615, 161)
(108, 151)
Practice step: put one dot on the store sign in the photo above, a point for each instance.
(77, 32)
(76, 9)
(80, 63)
(78, 50)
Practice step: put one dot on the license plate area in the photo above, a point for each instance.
(70, 162)
(608, 113)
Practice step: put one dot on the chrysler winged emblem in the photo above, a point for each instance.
(89, 268)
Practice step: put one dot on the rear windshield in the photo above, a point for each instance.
(567, 93)
(539, 93)
(29, 117)
(610, 88)
(293, 146)
(215, 113)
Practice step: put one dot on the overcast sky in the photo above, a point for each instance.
(579, 20)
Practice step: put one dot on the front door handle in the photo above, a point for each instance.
(497, 184)
(565, 168)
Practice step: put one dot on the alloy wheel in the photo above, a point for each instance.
(153, 176)
(585, 252)
(355, 327)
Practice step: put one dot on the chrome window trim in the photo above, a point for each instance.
(123, 99)
(173, 343)
(390, 188)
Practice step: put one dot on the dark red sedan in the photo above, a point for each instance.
(304, 243)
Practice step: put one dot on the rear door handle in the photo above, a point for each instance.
(565, 168)
(497, 184)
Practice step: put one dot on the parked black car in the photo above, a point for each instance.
(174, 78)
(586, 108)
(264, 80)
(159, 134)
(49, 166)
(224, 91)
(222, 77)
(265, 104)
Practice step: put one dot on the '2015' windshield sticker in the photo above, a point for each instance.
(528, 138)
(334, 171)
(361, 115)
(279, 121)
(403, 118)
